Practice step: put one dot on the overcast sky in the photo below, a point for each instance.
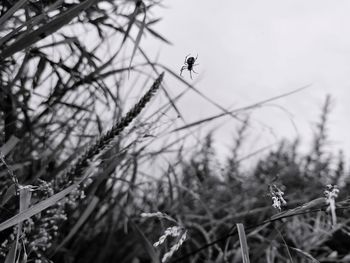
(253, 50)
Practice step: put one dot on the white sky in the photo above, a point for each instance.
(253, 50)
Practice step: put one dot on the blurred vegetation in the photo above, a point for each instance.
(78, 152)
(210, 198)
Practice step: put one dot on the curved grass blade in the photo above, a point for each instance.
(305, 254)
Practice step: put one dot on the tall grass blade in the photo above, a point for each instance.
(11, 255)
(35, 209)
(11, 11)
(235, 111)
(131, 21)
(89, 209)
(10, 192)
(58, 22)
(243, 242)
(146, 243)
(157, 35)
(30, 22)
(24, 202)
(9, 145)
(138, 37)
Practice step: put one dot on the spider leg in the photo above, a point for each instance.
(193, 68)
(196, 57)
(191, 74)
(186, 58)
(182, 69)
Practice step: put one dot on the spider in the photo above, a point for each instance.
(188, 64)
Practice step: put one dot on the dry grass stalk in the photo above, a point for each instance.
(77, 170)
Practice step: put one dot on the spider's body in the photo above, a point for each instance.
(188, 64)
